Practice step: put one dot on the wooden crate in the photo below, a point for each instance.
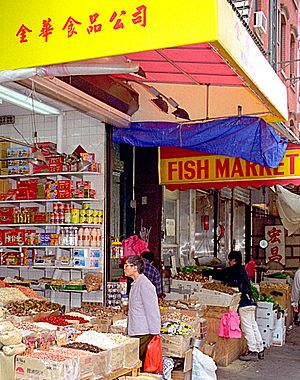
(180, 375)
(227, 350)
(175, 346)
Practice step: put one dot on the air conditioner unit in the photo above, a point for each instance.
(260, 22)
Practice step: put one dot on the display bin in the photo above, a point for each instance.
(175, 346)
(131, 352)
(27, 367)
(101, 364)
(117, 357)
(177, 285)
(215, 298)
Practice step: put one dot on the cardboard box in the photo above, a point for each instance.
(175, 346)
(27, 367)
(180, 375)
(215, 298)
(280, 292)
(227, 350)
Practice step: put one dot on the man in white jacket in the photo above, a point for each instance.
(296, 296)
(143, 310)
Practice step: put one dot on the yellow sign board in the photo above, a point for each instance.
(38, 32)
(192, 168)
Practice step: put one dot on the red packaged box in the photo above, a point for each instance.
(11, 258)
(83, 185)
(47, 147)
(63, 194)
(7, 215)
(64, 184)
(14, 237)
(55, 168)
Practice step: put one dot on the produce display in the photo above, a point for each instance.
(8, 295)
(29, 306)
(190, 277)
(84, 347)
(219, 288)
(63, 320)
(176, 328)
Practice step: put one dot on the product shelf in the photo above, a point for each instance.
(48, 267)
(44, 200)
(50, 224)
(48, 174)
(47, 246)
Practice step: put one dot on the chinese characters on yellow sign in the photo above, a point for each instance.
(39, 33)
(74, 26)
(276, 248)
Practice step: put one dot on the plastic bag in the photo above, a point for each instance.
(153, 359)
(204, 367)
(134, 246)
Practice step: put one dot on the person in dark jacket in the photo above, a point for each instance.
(236, 276)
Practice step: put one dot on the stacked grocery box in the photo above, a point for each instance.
(265, 318)
(279, 330)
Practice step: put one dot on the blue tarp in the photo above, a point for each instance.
(250, 138)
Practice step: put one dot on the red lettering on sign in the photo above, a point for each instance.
(70, 24)
(264, 171)
(291, 157)
(222, 169)
(46, 30)
(275, 256)
(94, 27)
(172, 167)
(274, 235)
(189, 170)
(202, 169)
(139, 17)
(251, 169)
(118, 24)
(276, 170)
(237, 168)
(22, 33)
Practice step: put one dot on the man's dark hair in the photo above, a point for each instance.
(148, 255)
(138, 262)
(236, 255)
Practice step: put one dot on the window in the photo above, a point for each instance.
(292, 59)
(282, 42)
(273, 33)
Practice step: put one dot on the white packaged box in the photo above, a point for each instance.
(264, 309)
(267, 322)
(267, 337)
(279, 337)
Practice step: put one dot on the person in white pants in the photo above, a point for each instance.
(236, 276)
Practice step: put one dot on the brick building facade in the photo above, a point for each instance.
(275, 26)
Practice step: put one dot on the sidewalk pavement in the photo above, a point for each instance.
(279, 363)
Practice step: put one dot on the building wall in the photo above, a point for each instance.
(289, 11)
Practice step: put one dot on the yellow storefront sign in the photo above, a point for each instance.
(201, 169)
(35, 33)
